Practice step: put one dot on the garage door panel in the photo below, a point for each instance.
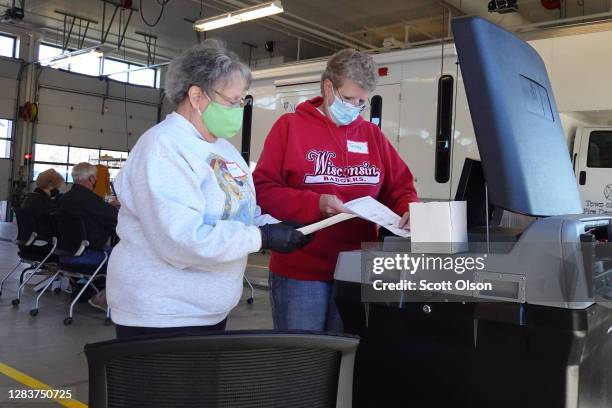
(50, 97)
(7, 108)
(117, 123)
(139, 93)
(54, 115)
(5, 175)
(134, 109)
(8, 96)
(82, 137)
(71, 81)
(73, 110)
(9, 68)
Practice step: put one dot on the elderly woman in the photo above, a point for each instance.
(313, 160)
(188, 216)
(42, 201)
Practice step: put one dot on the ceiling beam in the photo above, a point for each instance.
(315, 29)
(454, 9)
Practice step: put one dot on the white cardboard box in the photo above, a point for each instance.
(438, 227)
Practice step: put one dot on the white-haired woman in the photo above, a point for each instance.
(188, 216)
(322, 155)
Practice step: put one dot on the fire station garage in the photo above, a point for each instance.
(306, 203)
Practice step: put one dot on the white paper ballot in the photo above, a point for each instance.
(309, 229)
(367, 208)
(378, 213)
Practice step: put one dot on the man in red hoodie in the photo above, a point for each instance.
(313, 160)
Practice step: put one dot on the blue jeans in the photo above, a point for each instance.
(303, 305)
(88, 257)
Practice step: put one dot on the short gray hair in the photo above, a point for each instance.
(83, 171)
(207, 65)
(351, 64)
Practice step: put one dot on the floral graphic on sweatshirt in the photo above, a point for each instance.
(239, 194)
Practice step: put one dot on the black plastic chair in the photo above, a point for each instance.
(72, 243)
(225, 369)
(34, 250)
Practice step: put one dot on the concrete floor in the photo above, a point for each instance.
(43, 348)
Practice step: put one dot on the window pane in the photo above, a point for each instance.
(5, 129)
(47, 51)
(5, 149)
(143, 77)
(113, 154)
(88, 64)
(3, 208)
(50, 153)
(112, 158)
(81, 154)
(600, 150)
(113, 173)
(40, 167)
(69, 175)
(7, 45)
(112, 66)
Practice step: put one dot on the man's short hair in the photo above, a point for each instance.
(83, 171)
(49, 179)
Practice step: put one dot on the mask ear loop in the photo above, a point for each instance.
(336, 94)
(209, 101)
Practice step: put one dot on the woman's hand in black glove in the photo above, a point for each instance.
(283, 237)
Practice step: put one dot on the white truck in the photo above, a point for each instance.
(592, 159)
(430, 127)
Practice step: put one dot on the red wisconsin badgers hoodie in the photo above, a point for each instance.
(306, 155)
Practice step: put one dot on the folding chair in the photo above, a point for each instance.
(227, 369)
(250, 300)
(71, 244)
(34, 250)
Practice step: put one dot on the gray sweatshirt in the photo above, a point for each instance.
(187, 223)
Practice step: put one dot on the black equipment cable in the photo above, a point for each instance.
(163, 4)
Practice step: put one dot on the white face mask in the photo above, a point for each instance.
(343, 113)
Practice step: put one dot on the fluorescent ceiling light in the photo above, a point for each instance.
(235, 17)
(72, 58)
(97, 51)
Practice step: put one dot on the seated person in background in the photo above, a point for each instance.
(42, 202)
(100, 218)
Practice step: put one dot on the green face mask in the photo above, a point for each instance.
(222, 121)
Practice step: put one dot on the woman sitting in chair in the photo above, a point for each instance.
(42, 201)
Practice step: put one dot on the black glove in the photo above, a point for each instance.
(293, 224)
(283, 237)
(296, 225)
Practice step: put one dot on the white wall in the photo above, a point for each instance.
(579, 67)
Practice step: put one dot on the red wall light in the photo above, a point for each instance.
(383, 71)
(27, 156)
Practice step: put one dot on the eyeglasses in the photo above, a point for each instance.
(240, 103)
(362, 104)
